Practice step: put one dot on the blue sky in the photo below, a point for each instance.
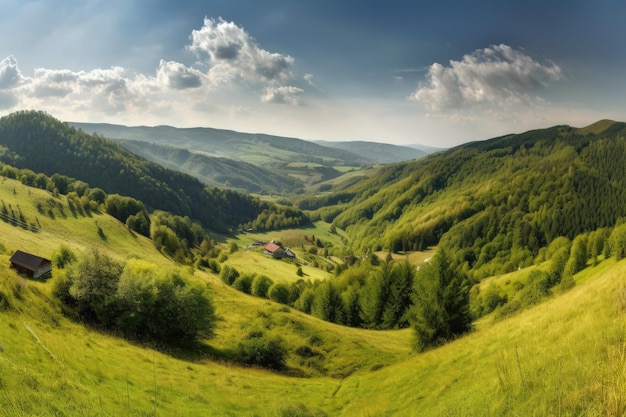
(433, 72)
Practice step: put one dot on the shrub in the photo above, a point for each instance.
(63, 256)
(260, 286)
(229, 275)
(262, 350)
(244, 283)
(279, 292)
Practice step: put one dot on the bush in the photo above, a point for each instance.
(93, 287)
(279, 292)
(262, 350)
(244, 283)
(63, 256)
(229, 275)
(260, 286)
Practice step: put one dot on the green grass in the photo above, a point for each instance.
(563, 357)
(300, 240)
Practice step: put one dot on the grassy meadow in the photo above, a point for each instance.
(563, 357)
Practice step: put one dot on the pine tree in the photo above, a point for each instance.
(441, 303)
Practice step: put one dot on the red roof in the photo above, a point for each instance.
(271, 247)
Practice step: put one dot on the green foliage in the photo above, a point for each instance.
(122, 207)
(94, 282)
(279, 292)
(328, 303)
(441, 303)
(260, 285)
(243, 283)
(617, 242)
(263, 350)
(229, 274)
(63, 257)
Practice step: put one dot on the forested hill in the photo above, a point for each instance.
(258, 149)
(377, 153)
(214, 171)
(494, 203)
(37, 141)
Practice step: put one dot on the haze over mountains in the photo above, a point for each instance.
(256, 162)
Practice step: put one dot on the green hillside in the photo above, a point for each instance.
(493, 203)
(377, 153)
(562, 357)
(254, 148)
(42, 144)
(215, 171)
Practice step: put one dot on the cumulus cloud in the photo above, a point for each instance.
(281, 95)
(10, 74)
(233, 71)
(234, 54)
(494, 76)
(177, 76)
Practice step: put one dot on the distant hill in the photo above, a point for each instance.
(37, 141)
(426, 149)
(255, 148)
(377, 153)
(214, 171)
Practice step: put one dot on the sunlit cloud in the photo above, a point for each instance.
(491, 77)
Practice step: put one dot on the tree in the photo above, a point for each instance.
(577, 258)
(440, 309)
(374, 296)
(279, 292)
(260, 285)
(399, 297)
(328, 304)
(94, 284)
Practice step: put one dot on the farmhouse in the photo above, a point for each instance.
(277, 251)
(30, 265)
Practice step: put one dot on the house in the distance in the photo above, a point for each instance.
(31, 265)
(277, 251)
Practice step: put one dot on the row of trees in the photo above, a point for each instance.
(433, 300)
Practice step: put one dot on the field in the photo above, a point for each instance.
(563, 357)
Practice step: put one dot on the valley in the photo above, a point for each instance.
(487, 279)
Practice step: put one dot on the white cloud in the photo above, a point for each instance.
(281, 95)
(10, 74)
(498, 76)
(177, 76)
(233, 76)
(234, 54)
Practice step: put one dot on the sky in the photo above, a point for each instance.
(437, 73)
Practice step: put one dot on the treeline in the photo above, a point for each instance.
(135, 299)
(376, 295)
(38, 142)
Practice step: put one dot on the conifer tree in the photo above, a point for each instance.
(441, 303)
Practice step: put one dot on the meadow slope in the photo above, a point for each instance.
(566, 356)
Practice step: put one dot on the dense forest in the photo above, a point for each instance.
(36, 141)
(495, 203)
